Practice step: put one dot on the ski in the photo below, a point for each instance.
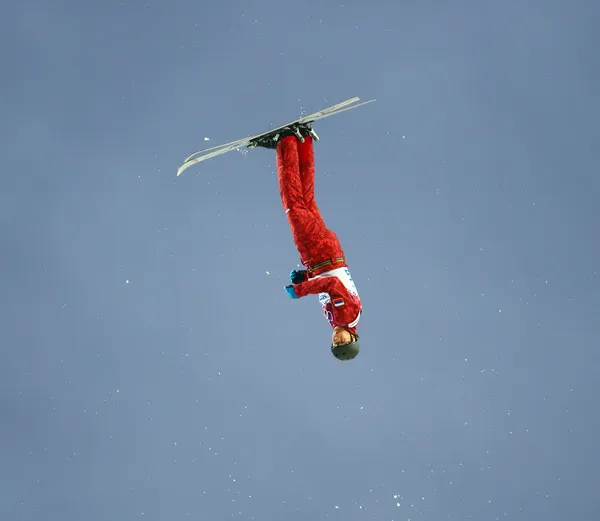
(208, 153)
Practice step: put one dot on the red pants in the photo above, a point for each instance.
(296, 173)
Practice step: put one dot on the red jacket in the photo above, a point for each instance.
(340, 306)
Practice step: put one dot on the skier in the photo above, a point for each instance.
(326, 272)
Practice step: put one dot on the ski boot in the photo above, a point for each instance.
(270, 140)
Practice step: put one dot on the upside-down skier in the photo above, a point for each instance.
(326, 272)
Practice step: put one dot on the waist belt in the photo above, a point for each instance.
(325, 263)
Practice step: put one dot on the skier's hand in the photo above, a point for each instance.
(298, 276)
(291, 292)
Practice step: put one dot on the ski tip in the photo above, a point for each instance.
(182, 168)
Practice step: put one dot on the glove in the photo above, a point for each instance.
(291, 292)
(298, 276)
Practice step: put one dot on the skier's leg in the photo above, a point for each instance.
(308, 230)
(306, 158)
(330, 247)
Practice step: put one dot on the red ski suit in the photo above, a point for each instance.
(319, 248)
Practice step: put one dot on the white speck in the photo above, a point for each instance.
(267, 273)
(206, 139)
(127, 281)
(403, 137)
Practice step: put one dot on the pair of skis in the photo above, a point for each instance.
(209, 153)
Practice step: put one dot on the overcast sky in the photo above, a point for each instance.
(153, 366)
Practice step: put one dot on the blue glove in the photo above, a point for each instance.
(298, 276)
(291, 292)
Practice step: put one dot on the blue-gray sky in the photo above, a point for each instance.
(466, 199)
